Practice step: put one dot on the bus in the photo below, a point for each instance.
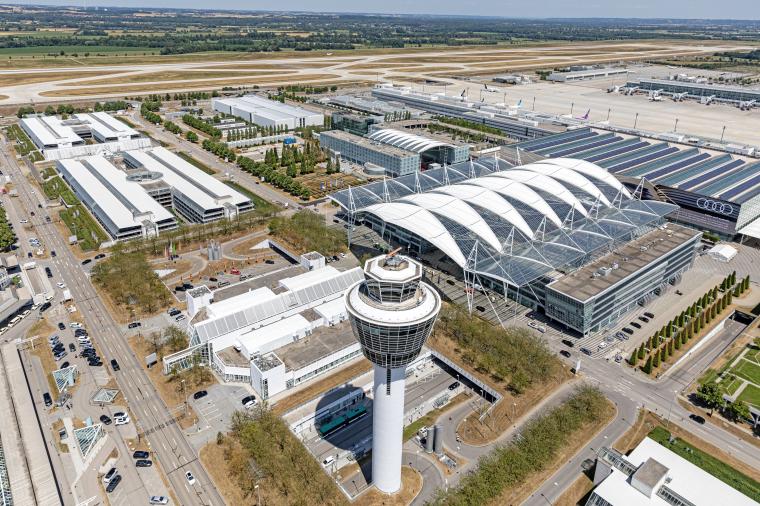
(339, 422)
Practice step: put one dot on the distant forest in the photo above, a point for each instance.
(189, 31)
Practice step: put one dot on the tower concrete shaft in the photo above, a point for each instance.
(388, 428)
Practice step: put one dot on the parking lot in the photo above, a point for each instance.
(215, 410)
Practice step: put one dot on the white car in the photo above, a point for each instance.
(75, 325)
(190, 478)
(24, 221)
(25, 313)
(121, 420)
(159, 499)
(61, 285)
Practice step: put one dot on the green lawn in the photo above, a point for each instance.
(260, 205)
(45, 50)
(88, 231)
(751, 395)
(747, 370)
(189, 159)
(23, 144)
(708, 463)
(56, 188)
(753, 355)
(731, 385)
(48, 172)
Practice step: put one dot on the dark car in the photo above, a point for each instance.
(99, 256)
(635, 325)
(88, 352)
(47, 399)
(140, 455)
(187, 286)
(627, 330)
(64, 365)
(45, 307)
(179, 288)
(134, 325)
(454, 385)
(61, 326)
(568, 343)
(649, 315)
(114, 483)
(52, 253)
(700, 420)
(644, 319)
(213, 279)
(105, 419)
(115, 364)
(269, 261)
(174, 312)
(565, 353)
(200, 394)
(72, 347)
(86, 261)
(586, 351)
(93, 363)
(48, 272)
(80, 332)
(143, 463)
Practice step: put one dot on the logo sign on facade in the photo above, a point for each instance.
(714, 206)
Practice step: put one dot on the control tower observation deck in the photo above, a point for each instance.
(392, 313)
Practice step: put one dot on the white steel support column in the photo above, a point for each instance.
(387, 428)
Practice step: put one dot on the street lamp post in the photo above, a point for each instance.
(675, 127)
(572, 105)
(635, 121)
(608, 113)
(722, 133)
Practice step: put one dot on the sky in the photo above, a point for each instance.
(706, 9)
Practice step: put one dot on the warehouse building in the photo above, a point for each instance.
(378, 158)
(652, 474)
(50, 132)
(715, 191)
(519, 231)
(122, 207)
(720, 93)
(197, 196)
(512, 123)
(268, 113)
(275, 336)
(586, 74)
(103, 127)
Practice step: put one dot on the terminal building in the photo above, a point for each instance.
(103, 127)
(50, 132)
(431, 149)
(720, 93)
(654, 475)
(275, 336)
(378, 158)
(268, 113)
(512, 122)
(715, 191)
(196, 196)
(586, 74)
(519, 231)
(121, 206)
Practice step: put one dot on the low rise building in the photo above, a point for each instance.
(395, 161)
(50, 132)
(586, 74)
(268, 113)
(105, 128)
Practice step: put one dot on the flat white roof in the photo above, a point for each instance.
(117, 212)
(309, 278)
(330, 309)
(239, 302)
(203, 189)
(51, 131)
(106, 125)
(132, 193)
(267, 108)
(686, 479)
(262, 338)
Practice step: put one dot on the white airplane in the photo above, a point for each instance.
(585, 116)
(746, 105)
(490, 90)
(654, 96)
(707, 100)
(518, 105)
(679, 97)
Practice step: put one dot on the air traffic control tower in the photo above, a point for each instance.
(392, 313)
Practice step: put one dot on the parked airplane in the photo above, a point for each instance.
(654, 96)
(585, 116)
(707, 100)
(518, 105)
(678, 97)
(746, 105)
(490, 90)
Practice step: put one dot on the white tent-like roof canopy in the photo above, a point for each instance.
(406, 140)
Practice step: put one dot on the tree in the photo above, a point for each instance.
(191, 136)
(641, 352)
(670, 346)
(710, 395)
(677, 340)
(648, 365)
(656, 360)
(633, 359)
(736, 411)
(175, 338)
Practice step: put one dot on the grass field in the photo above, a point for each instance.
(44, 50)
(24, 145)
(751, 395)
(43, 77)
(186, 75)
(55, 189)
(259, 204)
(708, 463)
(189, 159)
(89, 233)
(748, 370)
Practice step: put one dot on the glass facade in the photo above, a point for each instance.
(391, 347)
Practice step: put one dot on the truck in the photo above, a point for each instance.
(29, 265)
(66, 295)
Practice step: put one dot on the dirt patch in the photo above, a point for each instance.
(576, 493)
(185, 75)
(170, 389)
(411, 484)
(213, 459)
(42, 77)
(340, 377)
(580, 437)
(56, 427)
(180, 267)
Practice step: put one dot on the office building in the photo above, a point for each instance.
(103, 127)
(50, 132)
(198, 197)
(268, 113)
(377, 157)
(431, 148)
(392, 313)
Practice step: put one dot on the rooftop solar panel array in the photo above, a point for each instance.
(685, 168)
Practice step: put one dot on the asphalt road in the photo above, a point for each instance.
(164, 435)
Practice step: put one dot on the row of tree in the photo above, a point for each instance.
(7, 236)
(711, 395)
(148, 110)
(202, 125)
(220, 149)
(275, 177)
(172, 127)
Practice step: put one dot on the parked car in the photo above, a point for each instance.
(65, 365)
(644, 319)
(179, 288)
(61, 285)
(213, 279)
(174, 312)
(138, 454)
(52, 253)
(47, 399)
(121, 420)
(114, 483)
(86, 261)
(72, 347)
(190, 478)
(586, 351)
(159, 499)
(134, 325)
(105, 419)
(649, 315)
(44, 307)
(99, 256)
(635, 325)
(48, 272)
(200, 394)
(59, 356)
(627, 330)
(110, 475)
(179, 318)
(249, 401)
(115, 365)
(700, 420)
(454, 386)
(143, 463)
(568, 343)
(61, 326)
(565, 353)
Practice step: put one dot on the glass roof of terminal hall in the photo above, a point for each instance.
(713, 175)
(511, 223)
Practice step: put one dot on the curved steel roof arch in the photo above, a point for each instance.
(543, 183)
(519, 192)
(568, 176)
(489, 199)
(591, 170)
(421, 222)
(458, 211)
(406, 140)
